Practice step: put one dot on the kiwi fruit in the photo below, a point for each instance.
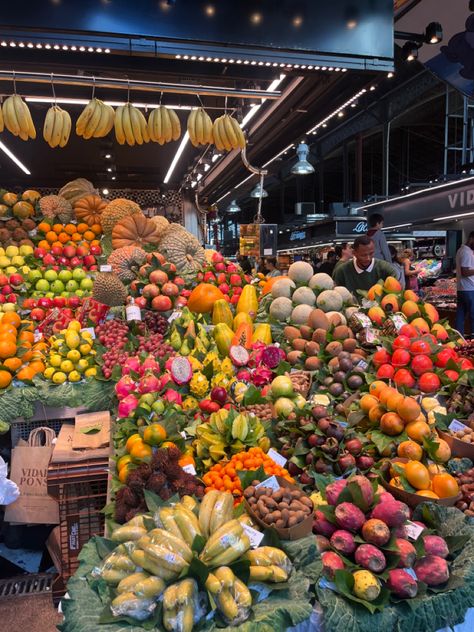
(318, 320)
(349, 344)
(294, 356)
(299, 344)
(319, 335)
(341, 332)
(312, 364)
(291, 333)
(311, 348)
(334, 348)
(306, 332)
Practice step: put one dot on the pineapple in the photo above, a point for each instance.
(199, 385)
(220, 379)
(227, 367)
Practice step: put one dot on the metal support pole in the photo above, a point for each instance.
(345, 173)
(359, 167)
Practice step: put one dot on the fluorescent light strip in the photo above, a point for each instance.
(177, 156)
(112, 103)
(254, 109)
(254, 62)
(337, 112)
(12, 156)
(304, 247)
(397, 226)
(448, 217)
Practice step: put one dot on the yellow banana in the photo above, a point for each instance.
(93, 121)
(227, 604)
(135, 121)
(222, 511)
(130, 581)
(84, 117)
(238, 132)
(278, 574)
(31, 125)
(169, 618)
(191, 127)
(232, 553)
(2, 123)
(199, 127)
(114, 576)
(103, 121)
(144, 127)
(166, 122)
(223, 134)
(241, 594)
(20, 112)
(58, 128)
(119, 133)
(169, 560)
(260, 573)
(175, 124)
(170, 597)
(226, 536)
(229, 130)
(110, 119)
(166, 519)
(217, 136)
(49, 124)
(151, 565)
(149, 587)
(205, 511)
(213, 585)
(225, 576)
(187, 524)
(186, 591)
(187, 617)
(127, 125)
(171, 542)
(159, 126)
(208, 135)
(66, 129)
(151, 119)
(11, 120)
(275, 555)
(190, 503)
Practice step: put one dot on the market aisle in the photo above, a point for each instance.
(34, 613)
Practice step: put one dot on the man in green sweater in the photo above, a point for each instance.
(363, 271)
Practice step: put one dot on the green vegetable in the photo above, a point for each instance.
(459, 465)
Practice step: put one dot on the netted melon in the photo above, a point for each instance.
(282, 287)
(281, 308)
(304, 296)
(345, 294)
(300, 271)
(321, 281)
(301, 314)
(329, 301)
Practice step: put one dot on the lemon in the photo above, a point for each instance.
(86, 335)
(74, 376)
(74, 325)
(74, 355)
(92, 372)
(59, 377)
(72, 339)
(49, 372)
(55, 360)
(67, 366)
(57, 343)
(82, 365)
(85, 349)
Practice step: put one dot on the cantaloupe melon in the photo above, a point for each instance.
(281, 308)
(283, 287)
(321, 281)
(300, 315)
(329, 301)
(304, 296)
(345, 294)
(300, 271)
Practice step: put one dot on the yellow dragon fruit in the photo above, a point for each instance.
(199, 385)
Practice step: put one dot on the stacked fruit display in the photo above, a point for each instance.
(20, 206)
(72, 355)
(17, 232)
(53, 234)
(20, 357)
(158, 286)
(226, 276)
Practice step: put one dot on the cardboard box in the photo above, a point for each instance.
(297, 532)
(458, 448)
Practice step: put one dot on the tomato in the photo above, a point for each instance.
(385, 372)
(453, 375)
(420, 346)
(402, 341)
(444, 356)
(401, 357)
(466, 364)
(421, 363)
(154, 434)
(444, 485)
(409, 331)
(417, 475)
(429, 382)
(381, 356)
(403, 377)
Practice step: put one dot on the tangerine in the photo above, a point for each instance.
(70, 229)
(12, 364)
(377, 387)
(131, 440)
(141, 451)
(82, 228)
(11, 318)
(44, 244)
(25, 373)
(89, 235)
(96, 229)
(43, 227)
(7, 349)
(51, 236)
(154, 434)
(5, 379)
(58, 228)
(124, 472)
(63, 238)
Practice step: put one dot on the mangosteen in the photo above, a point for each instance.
(286, 451)
(336, 389)
(354, 382)
(364, 462)
(346, 364)
(313, 440)
(305, 479)
(293, 469)
(354, 446)
(330, 446)
(344, 355)
(309, 458)
(339, 376)
(358, 369)
(336, 431)
(346, 462)
(321, 467)
(323, 424)
(319, 411)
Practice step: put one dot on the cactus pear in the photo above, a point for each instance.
(331, 563)
(402, 584)
(343, 542)
(366, 585)
(334, 489)
(393, 513)
(376, 532)
(322, 525)
(349, 516)
(432, 570)
(322, 543)
(407, 553)
(370, 557)
(366, 490)
(435, 545)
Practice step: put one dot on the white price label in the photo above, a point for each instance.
(37, 336)
(413, 530)
(370, 335)
(411, 572)
(133, 312)
(398, 321)
(90, 330)
(276, 457)
(189, 469)
(183, 434)
(174, 315)
(105, 268)
(271, 482)
(254, 536)
(362, 364)
(456, 425)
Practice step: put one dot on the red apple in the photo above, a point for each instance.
(59, 301)
(63, 261)
(39, 252)
(28, 303)
(73, 301)
(3, 280)
(11, 298)
(4, 300)
(69, 251)
(16, 279)
(49, 260)
(37, 314)
(7, 289)
(82, 251)
(57, 251)
(89, 260)
(95, 249)
(45, 302)
(94, 267)
(161, 303)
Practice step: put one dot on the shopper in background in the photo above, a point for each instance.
(328, 264)
(375, 223)
(343, 253)
(397, 265)
(411, 273)
(364, 270)
(315, 262)
(244, 263)
(261, 269)
(465, 284)
(270, 265)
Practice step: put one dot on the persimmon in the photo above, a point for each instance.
(391, 424)
(417, 430)
(410, 450)
(427, 492)
(376, 413)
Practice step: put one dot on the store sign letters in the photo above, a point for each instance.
(464, 198)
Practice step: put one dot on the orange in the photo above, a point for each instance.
(51, 236)
(141, 451)
(96, 229)
(377, 387)
(37, 366)
(154, 434)
(7, 349)
(95, 242)
(81, 228)
(391, 424)
(44, 244)
(126, 458)
(444, 485)
(7, 329)
(58, 228)
(427, 492)
(416, 430)
(131, 440)
(410, 450)
(25, 336)
(70, 229)
(43, 227)
(124, 472)
(12, 364)
(89, 235)
(5, 379)
(56, 244)
(409, 409)
(76, 237)
(367, 402)
(26, 373)
(417, 475)
(63, 238)
(375, 414)
(11, 318)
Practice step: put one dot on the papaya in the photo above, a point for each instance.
(221, 313)
(243, 336)
(241, 318)
(248, 302)
(262, 333)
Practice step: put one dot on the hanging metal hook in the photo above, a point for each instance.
(93, 88)
(14, 83)
(128, 90)
(52, 88)
(250, 167)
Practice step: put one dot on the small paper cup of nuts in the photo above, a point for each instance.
(461, 442)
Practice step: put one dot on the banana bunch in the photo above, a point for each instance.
(225, 545)
(163, 125)
(17, 117)
(228, 134)
(232, 597)
(117, 566)
(216, 509)
(200, 127)
(2, 124)
(130, 126)
(180, 521)
(96, 120)
(161, 560)
(268, 564)
(181, 606)
(137, 596)
(57, 127)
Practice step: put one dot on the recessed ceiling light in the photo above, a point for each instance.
(105, 191)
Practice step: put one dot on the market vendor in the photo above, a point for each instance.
(363, 270)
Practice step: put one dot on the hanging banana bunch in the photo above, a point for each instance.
(130, 126)
(17, 117)
(163, 125)
(200, 127)
(57, 127)
(228, 134)
(96, 120)
(2, 125)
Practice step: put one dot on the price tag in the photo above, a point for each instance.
(413, 530)
(411, 572)
(105, 268)
(254, 536)
(342, 423)
(183, 434)
(276, 457)
(174, 315)
(189, 469)
(37, 336)
(33, 233)
(90, 330)
(362, 364)
(370, 335)
(133, 312)
(271, 482)
(456, 425)
(398, 321)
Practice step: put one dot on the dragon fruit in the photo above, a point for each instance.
(149, 383)
(239, 355)
(262, 376)
(150, 364)
(271, 356)
(173, 397)
(127, 406)
(244, 375)
(125, 386)
(131, 364)
(181, 370)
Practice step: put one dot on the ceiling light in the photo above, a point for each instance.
(199, 177)
(114, 177)
(433, 33)
(207, 167)
(216, 157)
(108, 156)
(389, 75)
(372, 88)
(258, 192)
(397, 226)
(448, 217)
(256, 18)
(109, 169)
(410, 51)
(302, 167)
(340, 114)
(233, 207)
(105, 191)
(177, 156)
(193, 184)
(254, 109)
(12, 156)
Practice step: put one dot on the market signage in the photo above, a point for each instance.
(298, 235)
(351, 227)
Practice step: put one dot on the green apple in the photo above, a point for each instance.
(57, 287)
(34, 275)
(65, 275)
(42, 285)
(25, 270)
(9, 307)
(49, 294)
(26, 250)
(18, 261)
(147, 398)
(78, 274)
(80, 293)
(65, 294)
(72, 285)
(158, 406)
(12, 251)
(50, 275)
(87, 284)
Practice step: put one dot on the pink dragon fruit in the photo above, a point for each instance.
(127, 406)
(181, 370)
(125, 386)
(239, 355)
(244, 375)
(262, 376)
(168, 364)
(150, 364)
(131, 364)
(165, 378)
(271, 356)
(149, 383)
(173, 397)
